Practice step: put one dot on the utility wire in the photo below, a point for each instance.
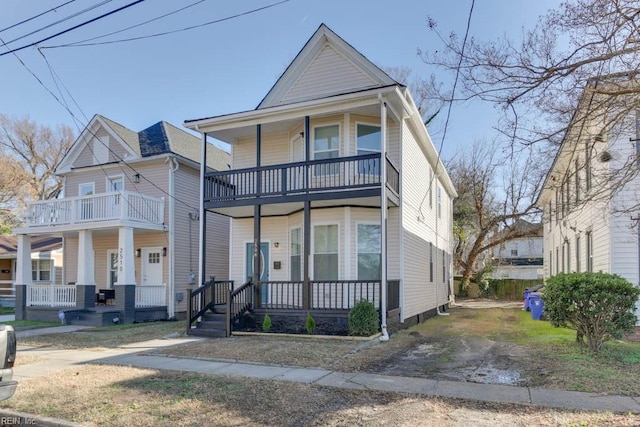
(73, 28)
(453, 91)
(140, 24)
(81, 44)
(36, 16)
(59, 21)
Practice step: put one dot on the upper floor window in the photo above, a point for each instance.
(589, 253)
(587, 166)
(430, 189)
(326, 145)
(514, 252)
(577, 180)
(369, 142)
(439, 202)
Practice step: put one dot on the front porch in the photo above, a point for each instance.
(219, 308)
(72, 304)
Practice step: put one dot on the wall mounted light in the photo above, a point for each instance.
(138, 253)
(276, 245)
(164, 251)
(136, 178)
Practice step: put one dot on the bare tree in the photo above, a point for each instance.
(29, 155)
(423, 91)
(492, 196)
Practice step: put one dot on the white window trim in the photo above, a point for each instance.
(290, 253)
(356, 248)
(52, 277)
(109, 252)
(355, 139)
(312, 248)
(110, 178)
(313, 139)
(82, 184)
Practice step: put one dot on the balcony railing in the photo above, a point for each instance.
(99, 207)
(343, 173)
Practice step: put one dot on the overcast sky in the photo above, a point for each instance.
(228, 66)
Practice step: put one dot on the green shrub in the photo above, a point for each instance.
(266, 323)
(599, 306)
(310, 324)
(363, 319)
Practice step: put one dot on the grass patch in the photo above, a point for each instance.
(141, 397)
(108, 337)
(7, 310)
(21, 325)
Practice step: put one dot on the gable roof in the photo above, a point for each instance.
(9, 244)
(341, 67)
(158, 139)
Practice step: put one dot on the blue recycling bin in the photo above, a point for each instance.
(536, 305)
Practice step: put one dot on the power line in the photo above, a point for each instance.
(453, 91)
(36, 16)
(140, 24)
(73, 15)
(73, 28)
(81, 44)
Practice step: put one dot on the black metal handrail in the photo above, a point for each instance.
(300, 177)
(239, 301)
(205, 297)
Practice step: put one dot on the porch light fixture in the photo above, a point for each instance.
(136, 178)
(138, 253)
(164, 251)
(276, 245)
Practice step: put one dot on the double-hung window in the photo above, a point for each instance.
(325, 252)
(369, 252)
(296, 254)
(369, 142)
(326, 145)
(41, 270)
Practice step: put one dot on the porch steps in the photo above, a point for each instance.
(213, 324)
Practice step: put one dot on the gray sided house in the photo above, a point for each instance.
(336, 193)
(129, 221)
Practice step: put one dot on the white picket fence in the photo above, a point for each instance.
(151, 295)
(51, 296)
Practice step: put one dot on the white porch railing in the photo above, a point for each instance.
(51, 296)
(98, 207)
(151, 295)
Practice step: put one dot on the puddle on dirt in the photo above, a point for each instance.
(423, 350)
(490, 375)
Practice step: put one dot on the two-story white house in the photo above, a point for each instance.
(336, 193)
(129, 220)
(521, 257)
(591, 193)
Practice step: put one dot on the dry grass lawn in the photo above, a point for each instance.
(117, 396)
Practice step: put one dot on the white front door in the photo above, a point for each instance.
(151, 266)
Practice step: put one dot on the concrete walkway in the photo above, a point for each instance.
(138, 355)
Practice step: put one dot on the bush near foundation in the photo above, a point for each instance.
(599, 306)
(363, 319)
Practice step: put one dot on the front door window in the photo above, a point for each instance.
(86, 204)
(369, 142)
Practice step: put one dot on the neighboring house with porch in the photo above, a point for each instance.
(129, 220)
(590, 194)
(521, 257)
(46, 264)
(336, 193)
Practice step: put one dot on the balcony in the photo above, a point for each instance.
(356, 176)
(84, 211)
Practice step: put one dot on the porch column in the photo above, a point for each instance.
(383, 220)
(306, 247)
(256, 222)
(202, 247)
(23, 275)
(86, 284)
(125, 287)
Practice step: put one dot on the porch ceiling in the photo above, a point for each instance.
(280, 209)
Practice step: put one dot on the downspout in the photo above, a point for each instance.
(173, 167)
(383, 218)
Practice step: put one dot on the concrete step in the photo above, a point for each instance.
(213, 324)
(212, 333)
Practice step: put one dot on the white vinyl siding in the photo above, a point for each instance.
(329, 73)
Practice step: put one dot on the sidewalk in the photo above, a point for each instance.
(138, 355)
